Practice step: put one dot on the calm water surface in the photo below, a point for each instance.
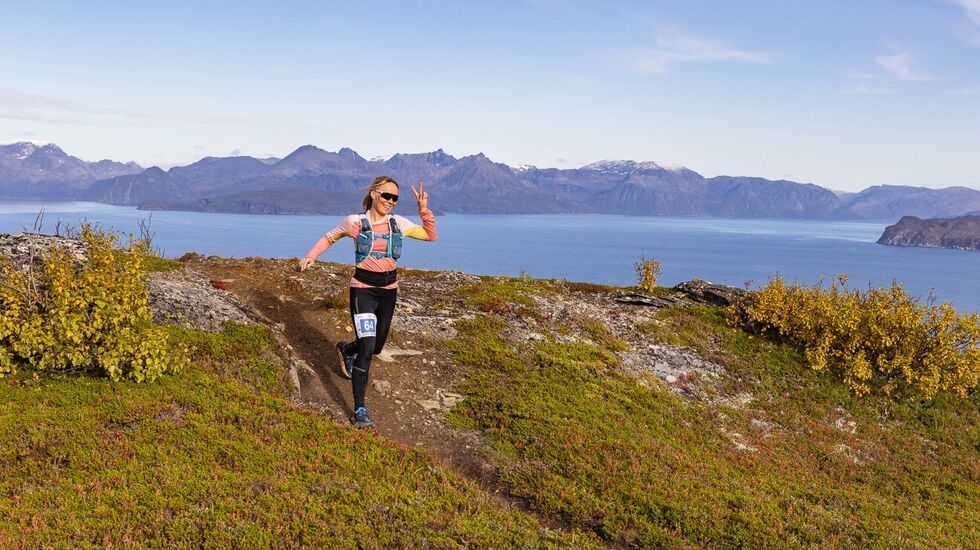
(595, 248)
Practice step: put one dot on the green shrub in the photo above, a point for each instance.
(503, 295)
(152, 262)
(602, 336)
(91, 318)
(881, 338)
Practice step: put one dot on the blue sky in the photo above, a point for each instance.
(843, 94)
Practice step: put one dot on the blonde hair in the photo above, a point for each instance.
(375, 185)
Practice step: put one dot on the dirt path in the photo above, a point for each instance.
(411, 382)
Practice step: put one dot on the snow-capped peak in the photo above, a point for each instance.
(673, 167)
(25, 151)
(628, 166)
(611, 165)
(21, 149)
(620, 166)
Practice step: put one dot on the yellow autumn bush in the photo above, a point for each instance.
(881, 338)
(647, 273)
(90, 318)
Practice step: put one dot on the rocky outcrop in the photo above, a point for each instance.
(705, 292)
(28, 249)
(688, 293)
(189, 299)
(642, 299)
(961, 233)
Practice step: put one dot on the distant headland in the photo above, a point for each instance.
(961, 233)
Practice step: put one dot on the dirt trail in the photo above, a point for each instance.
(411, 382)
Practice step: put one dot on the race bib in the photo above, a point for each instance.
(366, 325)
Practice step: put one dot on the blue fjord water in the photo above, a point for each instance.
(594, 248)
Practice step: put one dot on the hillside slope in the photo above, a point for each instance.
(633, 420)
(646, 425)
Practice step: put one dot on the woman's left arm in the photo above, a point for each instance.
(427, 232)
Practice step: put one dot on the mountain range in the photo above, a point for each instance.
(311, 180)
(45, 171)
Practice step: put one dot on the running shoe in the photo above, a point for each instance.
(361, 419)
(346, 360)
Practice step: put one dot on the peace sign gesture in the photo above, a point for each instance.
(421, 196)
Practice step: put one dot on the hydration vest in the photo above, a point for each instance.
(365, 241)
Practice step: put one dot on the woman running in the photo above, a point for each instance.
(377, 246)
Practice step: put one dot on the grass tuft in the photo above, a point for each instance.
(505, 295)
(153, 263)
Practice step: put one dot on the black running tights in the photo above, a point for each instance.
(371, 310)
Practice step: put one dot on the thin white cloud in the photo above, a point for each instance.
(973, 90)
(674, 48)
(870, 90)
(899, 65)
(20, 105)
(16, 98)
(971, 8)
(35, 141)
(856, 75)
(583, 85)
(36, 117)
(562, 5)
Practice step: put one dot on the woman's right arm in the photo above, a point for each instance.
(330, 237)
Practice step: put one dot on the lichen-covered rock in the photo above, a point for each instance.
(186, 298)
(675, 366)
(709, 293)
(640, 299)
(23, 248)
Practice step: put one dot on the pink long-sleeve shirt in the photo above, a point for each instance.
(351, 227)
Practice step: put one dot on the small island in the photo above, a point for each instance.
(962, 233)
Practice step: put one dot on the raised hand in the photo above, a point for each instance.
(421, 196)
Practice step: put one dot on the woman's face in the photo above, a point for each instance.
(381, 205)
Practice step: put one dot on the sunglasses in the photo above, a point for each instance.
(389, 197)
